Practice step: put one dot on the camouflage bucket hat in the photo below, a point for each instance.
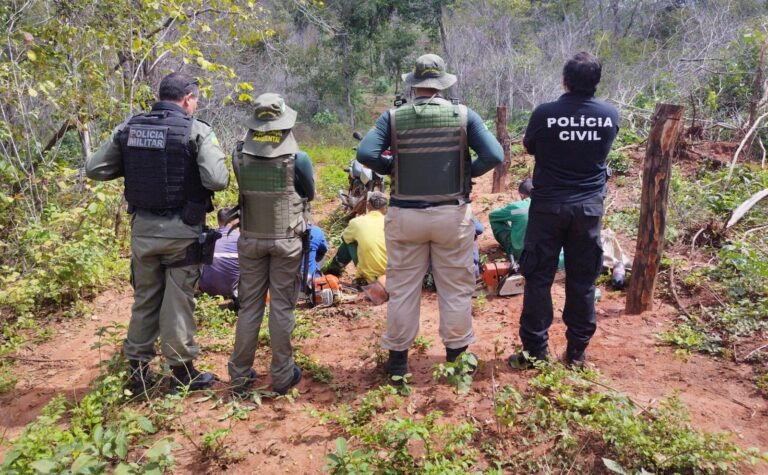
(429, 72)
(271, 113)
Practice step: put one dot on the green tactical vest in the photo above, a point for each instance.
(429, 145)
(270, 207)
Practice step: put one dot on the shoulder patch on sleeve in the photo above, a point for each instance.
(214, 139)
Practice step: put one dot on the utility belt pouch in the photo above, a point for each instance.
(207, 244)
(200, 251)
(193, 213)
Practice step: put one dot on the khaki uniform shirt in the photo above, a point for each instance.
(107, 164)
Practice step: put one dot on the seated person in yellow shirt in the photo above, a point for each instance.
(363, 243)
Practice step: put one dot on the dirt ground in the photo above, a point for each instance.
(282, 437)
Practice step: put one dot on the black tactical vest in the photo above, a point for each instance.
(160, 162)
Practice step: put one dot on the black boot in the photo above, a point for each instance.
(526, 360)
(452, 354)
(294, 381)
(242, 387)
(187, 375)
(141, 378)
(397, 364)
(575, 357)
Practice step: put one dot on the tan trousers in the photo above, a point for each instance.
(266, 264)
(441, 236)
(163, 302)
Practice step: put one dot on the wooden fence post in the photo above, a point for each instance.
(662, 141)
(502, 135)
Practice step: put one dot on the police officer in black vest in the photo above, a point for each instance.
(570, 139)
(172, 164)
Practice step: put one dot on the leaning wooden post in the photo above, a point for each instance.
(502, 135)
(662, 141)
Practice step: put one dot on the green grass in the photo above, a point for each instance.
(329, 162)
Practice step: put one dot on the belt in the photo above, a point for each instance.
(445, 203)
(157, 212)
(423, 204)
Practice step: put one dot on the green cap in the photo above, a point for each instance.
(271, 113)
(429, 72)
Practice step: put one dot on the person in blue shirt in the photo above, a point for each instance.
(318, 246)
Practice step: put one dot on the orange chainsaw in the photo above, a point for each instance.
(503, 278)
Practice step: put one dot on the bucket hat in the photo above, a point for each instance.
(269, 128)
(429, 72)
(271, 113)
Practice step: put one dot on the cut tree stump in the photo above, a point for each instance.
(501, 171)
(662, 141)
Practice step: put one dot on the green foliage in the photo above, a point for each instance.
(345, 462)
(213, 446)
(459, 373)
(624, 220)
(619, 162)
(325, 118)
(627, 136)
(319, 372)
(422, 344)
(564, 412)
(739, 279)
(51, 265)
(402, 384)
(334, 225)
(387, 442)
(90, 436)
(691, 337)
(69, 254)
(696, 200)
(734, 86)
(329, 163)
(215, 322)
(743, 270)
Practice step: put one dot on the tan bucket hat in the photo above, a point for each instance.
(429, 72)
(271, 113)
(269, 128)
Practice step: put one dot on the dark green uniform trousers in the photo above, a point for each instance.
(266, 264)
(164, 303)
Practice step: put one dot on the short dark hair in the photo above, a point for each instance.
(526, 187)
(175, 86)
(582, 73)
(222, 215)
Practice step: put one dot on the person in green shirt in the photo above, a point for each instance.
(510, 222)
(363, 243)
(153, 151)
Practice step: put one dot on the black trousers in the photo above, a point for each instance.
(575, 228)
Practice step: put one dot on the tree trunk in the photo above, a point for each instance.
(85, 139)
(502, 135)
(662, 141)
(348, 76)
(443, 35)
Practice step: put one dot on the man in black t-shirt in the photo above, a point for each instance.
(570, 139)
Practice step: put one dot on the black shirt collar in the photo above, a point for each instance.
(168, 106)
(576, 95)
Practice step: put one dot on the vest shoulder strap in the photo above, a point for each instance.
(393, 131)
